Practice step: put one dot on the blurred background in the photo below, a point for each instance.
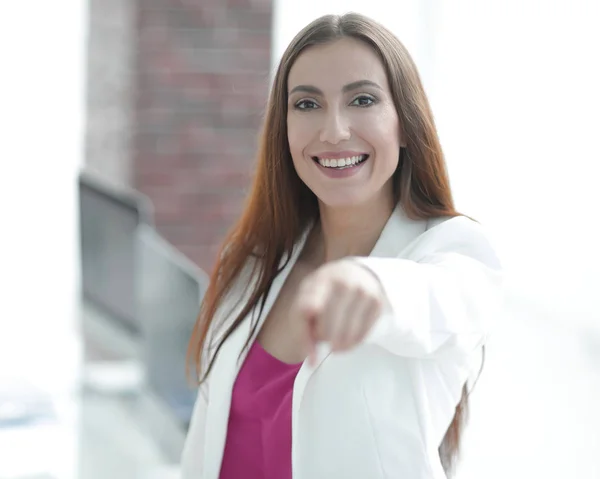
(129, 136)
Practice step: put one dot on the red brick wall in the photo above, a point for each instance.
(202, 81)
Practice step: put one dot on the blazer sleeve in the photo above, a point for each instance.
(443, 298)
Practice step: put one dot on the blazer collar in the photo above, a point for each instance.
(397, 234)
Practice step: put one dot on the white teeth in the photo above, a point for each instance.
(340, 162)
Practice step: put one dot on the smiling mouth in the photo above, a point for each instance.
(340, 163)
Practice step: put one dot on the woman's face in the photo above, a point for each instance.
(343, 129)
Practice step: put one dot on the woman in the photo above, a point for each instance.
(351, 300)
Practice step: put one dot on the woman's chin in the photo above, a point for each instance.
(340, 202)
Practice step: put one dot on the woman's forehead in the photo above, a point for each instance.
(333, 65)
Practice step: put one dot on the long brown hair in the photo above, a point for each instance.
(280, 206)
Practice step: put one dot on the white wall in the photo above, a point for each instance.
(111, 89)
(515, 89)
(41, 87)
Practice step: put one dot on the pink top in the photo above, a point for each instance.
(259, 432)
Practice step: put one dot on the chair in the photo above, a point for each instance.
(109, 218)
(170, 289)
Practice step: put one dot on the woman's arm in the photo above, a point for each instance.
(444, 298)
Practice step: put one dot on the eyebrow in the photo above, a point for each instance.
(346, 88)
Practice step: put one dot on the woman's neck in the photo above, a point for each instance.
(343, 232)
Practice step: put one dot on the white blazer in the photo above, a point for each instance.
(382, 409)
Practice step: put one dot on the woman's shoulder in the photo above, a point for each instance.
(459, 234)
(451, 227)
(456, 222)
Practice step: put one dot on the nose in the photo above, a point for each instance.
(335, 128)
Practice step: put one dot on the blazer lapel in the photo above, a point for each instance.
(226, 368)
(396, 235)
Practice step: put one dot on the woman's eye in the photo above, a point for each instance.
(363, 101)
(306, 105)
